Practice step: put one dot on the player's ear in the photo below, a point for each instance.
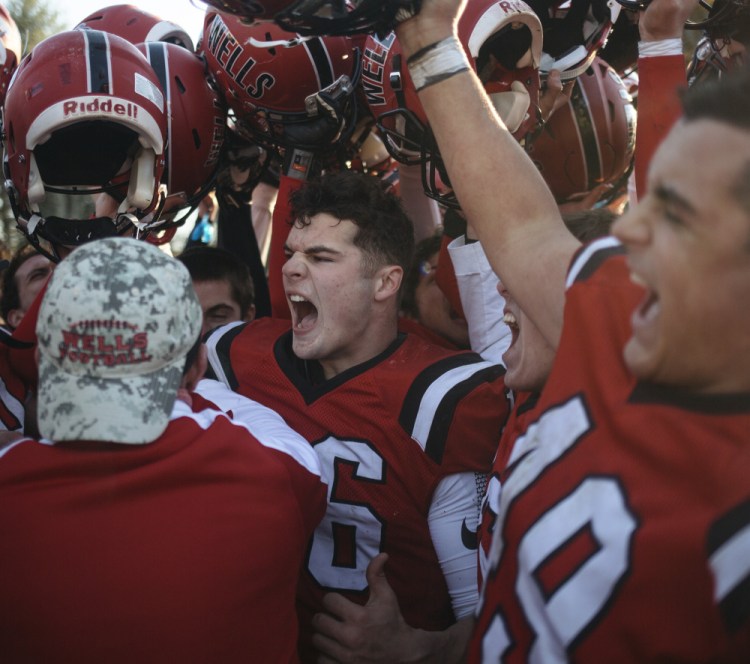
(388, 281)
(14, 317)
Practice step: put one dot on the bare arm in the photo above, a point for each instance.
(500, 190)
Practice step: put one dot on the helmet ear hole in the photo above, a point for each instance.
(73, 155)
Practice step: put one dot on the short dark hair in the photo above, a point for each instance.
(725, 99)
(10, 298)
(214, 264)
(385, 233)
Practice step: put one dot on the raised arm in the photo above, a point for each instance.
(500, 190)
(661, 71)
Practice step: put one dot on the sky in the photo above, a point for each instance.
(186, 13)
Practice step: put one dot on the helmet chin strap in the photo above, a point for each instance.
(48, 234)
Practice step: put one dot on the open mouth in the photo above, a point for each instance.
(304, 313)
(648, 308)
(510, 320)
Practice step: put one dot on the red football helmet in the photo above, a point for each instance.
(136, 26)
(84, 115)
(196, 123)
(285, 90)
(590, 140)
(10, 50)
(324, 17)
(574, 31)
(504, 41)
(712, 58)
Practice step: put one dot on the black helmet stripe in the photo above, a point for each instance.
(318, 53)
(98, 62)
(158, 57)
(587, 134)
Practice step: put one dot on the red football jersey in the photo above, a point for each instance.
(181, 550)
(523, 411)
(387, 432)
(623, 526)
(12, 388)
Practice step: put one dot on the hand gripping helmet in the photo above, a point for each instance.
(285, 91)
(504, 42)
(324, 17)
(84, 115)
(10, 50)
(196, 123)
(136, 26)
(591, 140)
(574, 31)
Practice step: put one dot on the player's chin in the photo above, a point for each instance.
(304, 346)
(641, 359)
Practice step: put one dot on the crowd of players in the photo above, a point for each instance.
(337, 436)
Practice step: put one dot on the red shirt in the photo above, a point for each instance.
(623, 526)
(387, 432)
(181, 550)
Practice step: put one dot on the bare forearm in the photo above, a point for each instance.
(499, 188)
(446, 647)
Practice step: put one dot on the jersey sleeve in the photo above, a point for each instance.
(218, 344)
(456, 409)
(12, 395)
(270, 429)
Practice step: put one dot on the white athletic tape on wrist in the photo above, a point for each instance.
(654, 49)
(436, 62)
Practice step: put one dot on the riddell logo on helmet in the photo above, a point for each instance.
(105, 105)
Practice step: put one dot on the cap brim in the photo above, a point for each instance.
(133, 409)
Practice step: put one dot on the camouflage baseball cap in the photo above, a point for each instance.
(115, 324)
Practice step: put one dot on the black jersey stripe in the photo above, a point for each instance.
(98, 72)
(435, 445)
(728, 548)
(590, 256)
(219, 345)
(434, 396)
(321, 61)
(9, 418)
